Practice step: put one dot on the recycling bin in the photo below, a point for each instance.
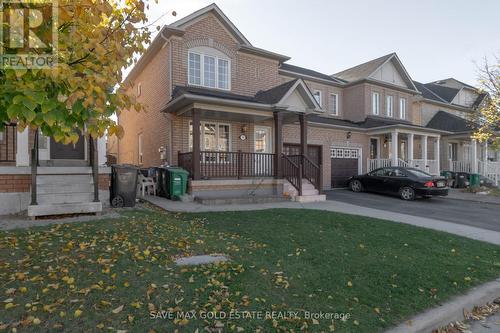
(475, 180)
(123, 188)
(177, 182)
(461, 180)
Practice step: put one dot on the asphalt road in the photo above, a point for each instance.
(481, 215)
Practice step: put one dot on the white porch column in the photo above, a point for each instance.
(474, 156)
(394, 147)
(437, 153)
(486, 151)
(23, 149)
(101, 151)
(411, 137)
(424, 150)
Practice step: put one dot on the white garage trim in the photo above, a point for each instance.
(348, 152)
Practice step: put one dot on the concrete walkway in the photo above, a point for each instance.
(467, 196)
(335, 206)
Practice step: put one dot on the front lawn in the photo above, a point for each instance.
(116, 275)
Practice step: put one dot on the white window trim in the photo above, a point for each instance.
(336, 113)
(140, 149)
(403, 112)
(202, 71)
(375, 106)
(320, 97)
(389, 113)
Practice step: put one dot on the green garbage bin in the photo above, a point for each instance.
(475, 180)
(177, 185)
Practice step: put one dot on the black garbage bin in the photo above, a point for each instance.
(160, 174)
(123, 189)
(461, 179)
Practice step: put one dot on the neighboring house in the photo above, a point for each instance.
(62, 182)
(244, 121)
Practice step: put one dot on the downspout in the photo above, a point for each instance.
(170, 88)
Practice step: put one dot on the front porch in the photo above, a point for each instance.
(234, 145)
(412, 149)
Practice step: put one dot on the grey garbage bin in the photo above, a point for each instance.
(123, 189)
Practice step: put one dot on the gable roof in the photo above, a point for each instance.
(427, 93)
(449, 122)
(446, 93)
(365, 70)
(274, 95)
(463, 84)
(301, 71)
(186, 21)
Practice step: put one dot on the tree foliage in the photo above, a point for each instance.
(488, 115)
(97, 39)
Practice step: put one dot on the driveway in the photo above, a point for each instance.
(480, 215)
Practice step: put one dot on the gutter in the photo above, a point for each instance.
(312, 78)
(197, 98)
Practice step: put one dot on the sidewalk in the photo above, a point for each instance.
(336, 206)
(459, 195)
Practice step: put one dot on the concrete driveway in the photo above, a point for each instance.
(480, 215)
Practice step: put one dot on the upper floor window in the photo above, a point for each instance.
(402, 108)
(208, 71)
(389, 105)
(334, 104)
(317, 97)
(376, 103)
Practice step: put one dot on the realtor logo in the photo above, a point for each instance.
(28, 34)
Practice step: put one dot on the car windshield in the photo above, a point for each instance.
(419, 173)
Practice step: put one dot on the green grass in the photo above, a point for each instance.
(376, 271)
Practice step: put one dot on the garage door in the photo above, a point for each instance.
(345, 164)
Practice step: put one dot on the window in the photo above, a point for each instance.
(317, 97)
(452, 151)
(214, 136)
(194, 69)
(376, 103)
(334, 104)
(389, 106)
(209, 71)
(139, 89)
(140, 152)
(402, 108)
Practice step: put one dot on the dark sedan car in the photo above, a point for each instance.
(408, 183)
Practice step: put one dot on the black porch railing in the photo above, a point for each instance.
(8, 143)
(236, 165)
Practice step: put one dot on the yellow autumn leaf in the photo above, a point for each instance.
(349, 284)
(36, 321)
(9, 306)
(78, 313)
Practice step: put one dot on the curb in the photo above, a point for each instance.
(450, 311)
(474, 200)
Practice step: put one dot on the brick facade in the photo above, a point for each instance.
(15, 183)
(250, 73)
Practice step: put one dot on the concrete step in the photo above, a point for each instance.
(64, 179)
(61, 198)
(308, 186)
(67, 208)
(68, 188)
(239, 200)
(310, 198)
(310, 191)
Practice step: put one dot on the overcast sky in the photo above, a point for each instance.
(435, 39)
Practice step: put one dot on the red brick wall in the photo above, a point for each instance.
(104, 182)
(15, 183)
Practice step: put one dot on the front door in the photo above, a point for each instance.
(262, 145)
(60, 151)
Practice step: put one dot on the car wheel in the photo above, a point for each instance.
(356, 186)
(407, 193)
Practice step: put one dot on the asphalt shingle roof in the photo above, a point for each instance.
(449, 122)
(181, 90)
(274, 95)
(309, 72)
(427, 93)
(446, 93)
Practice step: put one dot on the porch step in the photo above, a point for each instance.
(63, 179)
(239, 200)
(61, 198)
(64, 163)
(310, 198)
(65, 188)
(62, 209)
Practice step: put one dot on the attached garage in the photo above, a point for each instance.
(345, 163)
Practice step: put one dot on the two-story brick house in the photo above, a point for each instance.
(244, 121)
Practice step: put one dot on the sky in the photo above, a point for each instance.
(435, 39)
